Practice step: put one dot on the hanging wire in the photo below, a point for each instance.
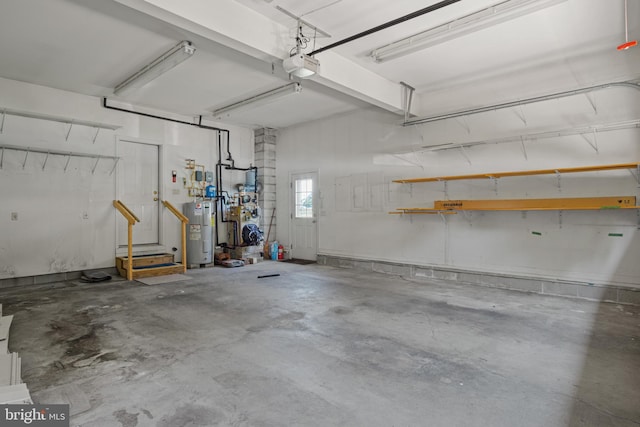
(302, 42)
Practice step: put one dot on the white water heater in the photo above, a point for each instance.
(199, 232)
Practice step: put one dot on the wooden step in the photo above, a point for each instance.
(149, 265)
(147, 260)
(164, 270)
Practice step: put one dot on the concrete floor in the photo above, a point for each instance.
(320, 346)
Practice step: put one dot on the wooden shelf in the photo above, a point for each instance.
(557, 204)
(494, 175)
(422, 211)
(414, 211)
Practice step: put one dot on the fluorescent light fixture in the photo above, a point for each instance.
(492, 15)
(301, 65)
(161, 65)
(260, 99)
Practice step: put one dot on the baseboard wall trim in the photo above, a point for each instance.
(594, 292)
(13, 282)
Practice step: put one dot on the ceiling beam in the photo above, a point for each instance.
(244, 30)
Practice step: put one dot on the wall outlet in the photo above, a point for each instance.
(14, 216)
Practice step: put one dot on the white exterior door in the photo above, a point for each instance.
(304, 208)
(138, 190)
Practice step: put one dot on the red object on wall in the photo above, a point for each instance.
(627, 45)
(280, 252)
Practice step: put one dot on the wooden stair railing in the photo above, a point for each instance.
(184, 221)
(131, 220)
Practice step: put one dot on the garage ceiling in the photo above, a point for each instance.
(89, 46)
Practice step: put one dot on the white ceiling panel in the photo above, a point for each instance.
(89, 46)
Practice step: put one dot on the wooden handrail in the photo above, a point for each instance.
(175, 211)
(184, 220)
(131, 220)
(125, 211)
(520, 173)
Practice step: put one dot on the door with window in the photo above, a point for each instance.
(304, 208)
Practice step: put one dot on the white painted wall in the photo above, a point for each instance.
(66, 221)
(358, 155)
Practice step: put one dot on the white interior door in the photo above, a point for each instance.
(304, 208)
(138, 189)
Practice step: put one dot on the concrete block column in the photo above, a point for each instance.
(265, 160)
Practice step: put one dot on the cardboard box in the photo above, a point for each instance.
(241, 252)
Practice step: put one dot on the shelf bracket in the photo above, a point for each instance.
(520, 113)
(115, 163)
(592, 101)
(636, 173)
(464, 153)
(67, 164)
(594, 143)
(26, 156)
(44, 165)
(560, 218)
(559, 178)
(524, 148)
(638, 215)
(4, 114)
(495, 184)
(2, 158)
(446, 189)
(95, 165)
(69, 131)
(96, 135)
(443, 217)
(463, 122)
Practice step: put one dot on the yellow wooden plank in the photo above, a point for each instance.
(125, 211)
(585, 208)
(130, 251)
(175, 211)
(538, 204)
(422, 211)
(184, 247)
(520, 173)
